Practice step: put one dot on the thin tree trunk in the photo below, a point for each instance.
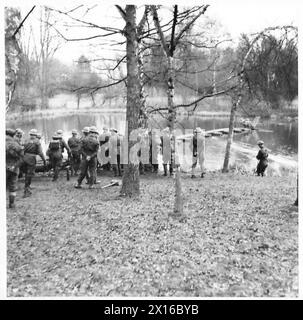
(130, 180)
(178, 206)
(230, 135)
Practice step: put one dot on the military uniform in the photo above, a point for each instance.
(89, 150)
(262, 156)
(198, 148)
(103, 140)
(114, 152)
(32, 148)
(14, 155)
(166, 146)
(74, 144)
(55, 152)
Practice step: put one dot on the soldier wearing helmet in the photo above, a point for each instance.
(14, 156)
(262, 156)
(74, 144)
(64, 145)
(198, 147)
(166, 147)
(54, 152)
(89, 150)
(32, 148)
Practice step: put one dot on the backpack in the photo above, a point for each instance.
(54, 145)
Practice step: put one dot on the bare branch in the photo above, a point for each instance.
(22, 22)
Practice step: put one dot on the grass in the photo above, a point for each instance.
(239, 238)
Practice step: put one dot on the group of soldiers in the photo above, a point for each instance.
(82, 151)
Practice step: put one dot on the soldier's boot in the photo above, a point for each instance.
(72, 171)
(78, 185)
(27, 193)
(171, 170)
(11, 203)
(115, 170)
(56, 174)
(119, 171)
(165, 170)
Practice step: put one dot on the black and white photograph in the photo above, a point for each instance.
(151, 150)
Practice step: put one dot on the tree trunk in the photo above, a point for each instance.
(230, 136)
(178, 207)
(130, 180)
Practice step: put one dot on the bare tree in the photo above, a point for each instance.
(169, 48)
(239, 91)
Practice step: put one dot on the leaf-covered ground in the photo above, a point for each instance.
(239, 238)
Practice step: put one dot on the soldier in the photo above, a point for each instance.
(103, 139)
(89, 149)
(166, 146)
(54, 151)
(63, 142)
(14, 155)
(114, 151)
(32, 148)
(85, 132)
(154, 150)
(75, 144)
(198, 148)
(262, 156)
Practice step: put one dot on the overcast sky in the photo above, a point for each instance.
(235, 16)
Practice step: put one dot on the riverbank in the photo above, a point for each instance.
(239, 238)
(60, 112)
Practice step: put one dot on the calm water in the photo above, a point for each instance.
(280, 138)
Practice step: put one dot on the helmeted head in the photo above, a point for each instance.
(10, 132)
(260, 143)
(105, 129)
(93, 130)
(85, 130)
(60, 132)
(19, 133)
(166, 130)
(56, 136)
(198, 130)
(33, 133)
(74, 132)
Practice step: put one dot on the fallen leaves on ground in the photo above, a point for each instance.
(239, 238)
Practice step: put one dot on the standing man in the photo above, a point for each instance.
(14, 155)
(166, 146)
(262, 156)
(103, 140)
(74, 144)
(89, 150)
(63, 143)
(198, 147)
(32, 148)
(54, 151)
(114, 151)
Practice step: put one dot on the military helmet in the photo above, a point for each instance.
(33, 132)
(93, 129)
(260, 142)
(10, 132)
(85, 130)
(198, 130)
(56, 136)
(59, 132)
(74, 131)
(19, 131)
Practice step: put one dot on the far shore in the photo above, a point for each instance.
(59, 112)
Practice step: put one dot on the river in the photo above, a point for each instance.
(280, 138)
